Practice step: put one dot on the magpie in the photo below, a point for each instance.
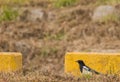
(85, 69)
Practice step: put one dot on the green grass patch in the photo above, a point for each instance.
(108, 2)
(47, 51)
(58, 36)
(87, 76)
(4, 2)
(8, 14)
(64, 3)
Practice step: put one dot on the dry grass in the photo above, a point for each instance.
(44, 43)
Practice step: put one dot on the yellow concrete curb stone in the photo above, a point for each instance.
(10, 61)
(104, 63)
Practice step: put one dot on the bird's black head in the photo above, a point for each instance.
(80, 62)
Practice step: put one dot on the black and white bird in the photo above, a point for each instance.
(85, 69)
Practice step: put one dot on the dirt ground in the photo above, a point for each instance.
(44, 42)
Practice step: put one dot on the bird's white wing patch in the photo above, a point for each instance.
(86, 70)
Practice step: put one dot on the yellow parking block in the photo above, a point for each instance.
(10, 61)
(104, 63)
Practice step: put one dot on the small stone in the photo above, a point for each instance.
(34, 15)
(103, 11)
(23, 47)
(37, 14)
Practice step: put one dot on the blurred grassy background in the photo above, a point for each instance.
(5, 2)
